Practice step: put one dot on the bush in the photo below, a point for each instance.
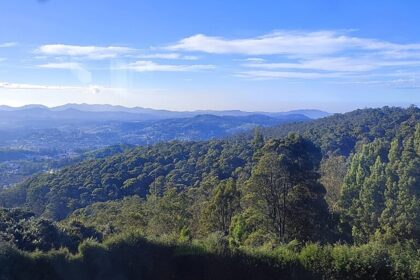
(370, 261)
(317, 259)
(130, 256)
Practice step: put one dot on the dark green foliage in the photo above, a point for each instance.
(231, 209)
(295, 210)
(22, 229)
(340, 133)
(112, 217)
(381, 190)
(168, 214)
(132, 257)
(284, 193)
(223, 204)
(181, 164)
(186, 164)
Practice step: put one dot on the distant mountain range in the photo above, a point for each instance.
(112, 112)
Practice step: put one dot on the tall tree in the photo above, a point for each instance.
(223, 204)
(362, 194)
(381, 189)
(168, 214)
(284, 188)
(401, 217)
(333, 169)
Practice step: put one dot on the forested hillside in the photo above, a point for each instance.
(185, 164)
(341, 132)
(38, 139)
(179, 164)
(336, 198)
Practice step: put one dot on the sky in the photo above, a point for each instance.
(335, 55)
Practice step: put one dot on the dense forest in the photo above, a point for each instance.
(36, 139)
(333, 198)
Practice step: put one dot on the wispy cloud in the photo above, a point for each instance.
(88, 88)
(263, 75)
(402, 79)
(90, 52)
(291, 43)
(340, 64)
(278, 55)
(62, 65)
(168, 56)
(150, 66)
(8, 44)
(253, 59)
(306, 55)
(399, 83)
(82, 74)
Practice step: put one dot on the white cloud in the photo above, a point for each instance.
(254, 59)
(291, 43)
(91, 52)
(168, 56)
(286, 75)
(62, 65)
(150, 66)
(307, 55)
(2, 59)
(89, 88)
(8, 44)
(81, 73)
(402, 83)
(340, 64)
(277, 55)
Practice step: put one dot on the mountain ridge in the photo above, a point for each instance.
(149, 113)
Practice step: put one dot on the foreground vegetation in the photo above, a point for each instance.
(130, 256)
(340, 202)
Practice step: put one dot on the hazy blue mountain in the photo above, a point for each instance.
(112, 112)
(310, 113)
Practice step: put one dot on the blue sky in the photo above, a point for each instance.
(186, 55)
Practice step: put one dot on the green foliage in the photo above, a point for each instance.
(333, 169)
(221, 207)
(341, 133)
(130, 256)
(318, 259)
(22, 229)
(168, 215)
(283, 188)
(178, 164)
(237, 231)
(226, 209)
(381, 189)
(113, 216)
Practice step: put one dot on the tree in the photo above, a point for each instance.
(401, 217)
(223, 204)
(271, 183)
(362, 199)
(284, 188)
(257, 144)
(167, 215)
(381, 189)
(333, 170)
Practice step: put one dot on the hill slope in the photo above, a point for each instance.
(34, 139)
(187, 163)
(340, 133)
